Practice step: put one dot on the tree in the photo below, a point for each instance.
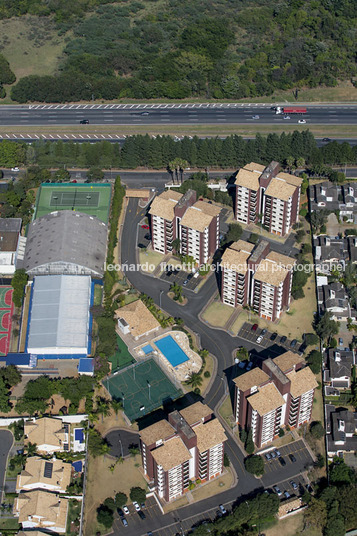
(11, 375)
(120, 499)
(176, 245)
(226, 461)
(242, 354)
(134, 450)
(138, 494)
(318, 219)
(316, 514)
(31, 449)
(194, 380)
(255, 465)
(311, 339)
(96, 444)
(5, 405)
(234, 233)
(314, 360)
(177, 165)
(317, 430)
(249, 444)
(103, 407)
(253, 238)
(117, 405)
(95, 174)
(325, 327)
(105, 516)
(18, 283)
(177, 291)
(340, 473)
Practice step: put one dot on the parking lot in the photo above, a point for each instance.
(179, 277)
(144, 236)
(269, 339)
(136, 525)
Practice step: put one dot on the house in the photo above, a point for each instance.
(279, 394)
(331, 253)
(341, 431)
(335, 197)
(50, 435)
(41, 509)
(50, 475)
(10, 244)
(136, 319)
(187, 446)
(335, 301)
(340, 364)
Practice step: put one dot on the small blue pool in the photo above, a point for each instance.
(78, 466)
(171, 350)
(78, 435)
(147, 349)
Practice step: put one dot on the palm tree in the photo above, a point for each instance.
(103, 407)
(31, 449)
(116, 406)
(177, 165)
(195, 380)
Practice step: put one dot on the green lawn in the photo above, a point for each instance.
(98, 294)
(74, 512)
(122, 357)
(9, 524)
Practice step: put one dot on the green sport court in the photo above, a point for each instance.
(92, 199)
(142, 388)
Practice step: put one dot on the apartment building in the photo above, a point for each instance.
(194, 223)
(263, 194)
(279, 394)
(254, 276)
(189, 445)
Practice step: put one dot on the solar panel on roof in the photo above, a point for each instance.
(48, 470)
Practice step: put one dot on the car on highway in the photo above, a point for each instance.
(84, 122)
(141, 514)
(136, 506)
(15, 169)
(144, 226)
(283, 339)
(222, 509)
(267, 456)
(273, 336)
(277, 490)
(326, 139)
(254, 327)
(259, 339)
(144, 113)
(124, 521)
(286, 117)
(292, 458)
(282, 461)
(256, 117)
(293, 484)
(302, 121)
(126, 510)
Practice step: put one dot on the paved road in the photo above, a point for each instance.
(120, 441)
(218, 342)
(6, 440)
(185, 114)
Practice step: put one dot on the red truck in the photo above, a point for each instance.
(292, 110)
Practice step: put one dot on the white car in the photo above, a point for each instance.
(136, 505)
(286, 117)
(259, 339)
(126, 510)
(255, 117)
(302, 121)
(15, 169)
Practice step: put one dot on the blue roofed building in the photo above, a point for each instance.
(86, 366)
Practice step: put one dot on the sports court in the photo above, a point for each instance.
(6, 312)
(91, 199)
(142, 388)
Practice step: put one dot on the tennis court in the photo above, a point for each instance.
(142, 388)
(6, 312)
(89, 199)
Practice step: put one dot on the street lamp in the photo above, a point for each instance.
(161, 293)
(149, 387)
(121, 447)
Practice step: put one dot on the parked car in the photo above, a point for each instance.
(309, 488)
(287, 494)
(256, 117)
(144, 226)
(267, 456)
(136, 506)
(124, 521)
(141, 514)
(126, 510)
(263, 332)
(302, 121)
(293, 484)
(84, 122)
(147, 236)
(250, 366)
(242, 364)
(340, 341)
(15, 169)
(282, 461)
(283, 339)
(277, 452)
(120, 512)
(222, 509)
(293, 343)
(273, 455)
(254, 327)
(277, 490)
(141, 246)
(190, 276)
(259, 339)
(292, 458)
(185, 282)
(273, 336)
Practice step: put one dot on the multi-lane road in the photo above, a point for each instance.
(171, 114)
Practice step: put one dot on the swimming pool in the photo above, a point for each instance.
(147, 349)
(171, 350)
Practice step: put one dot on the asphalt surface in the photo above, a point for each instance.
(6, 440)
(220, 344)
(185, 114)
(120, 441)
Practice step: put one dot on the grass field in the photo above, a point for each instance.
(90, 199)
(142, 388)
(217, 314)
(122, 357)
(292, 526)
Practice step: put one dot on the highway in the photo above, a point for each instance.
(171, 114)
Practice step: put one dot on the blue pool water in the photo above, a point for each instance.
(171, 350)
(147, 349)
(78, 435)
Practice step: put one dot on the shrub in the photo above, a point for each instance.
(254, 465)
(317, 430)
(207, 374)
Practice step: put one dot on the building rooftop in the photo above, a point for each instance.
(266, 399)
(207, 208)
(171, 454)
(340, 363)
(270, 272)
(291, 179)
(288, 360)
(247, 179)
(209, 434)
(253, 378)
(195, 413)
(275, 371)
(343, 422)
(196, 219)
(45, 431)
(235, 260)
(181, 425)
(138, 317)
(41, 472)
(253, 166)
(159, 430)
(280, 189)
(42, 507)
(242, 245)
(63, 238)
(281, 260)
(164, 204)
(302, 381)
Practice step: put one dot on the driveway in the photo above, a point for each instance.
(6, 440)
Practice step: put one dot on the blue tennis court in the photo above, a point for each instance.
(147, 349)
(171, 350)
